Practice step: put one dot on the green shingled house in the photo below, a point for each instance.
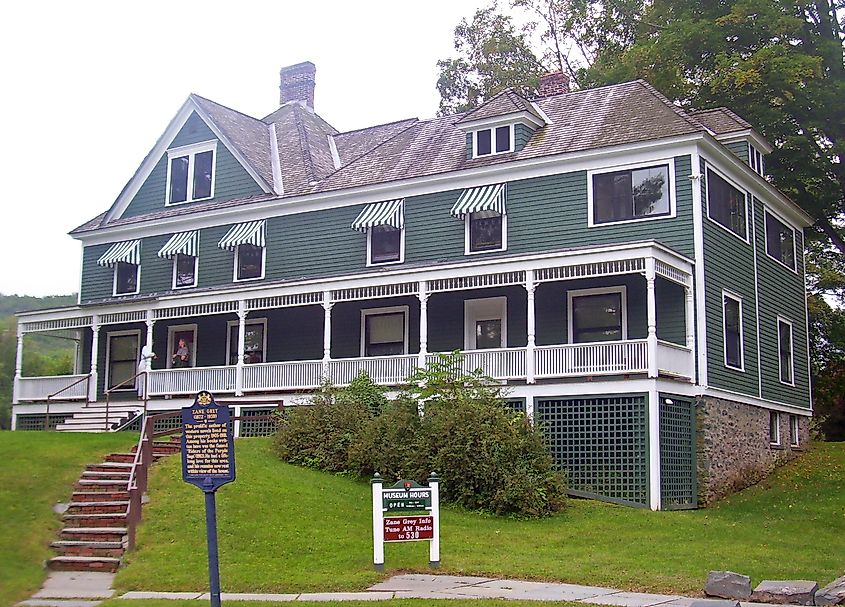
(622, 265)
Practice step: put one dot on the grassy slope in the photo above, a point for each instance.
(38, 469)
(285, 529)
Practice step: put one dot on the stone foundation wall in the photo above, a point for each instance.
(733, 448)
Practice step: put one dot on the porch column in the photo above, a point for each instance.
(239, 364)
(652, 317)
(689, 309)
(530, 287)
(654, 497)
(149, 341)
(95, 348)
(18, 365)
(422, 294)
(327, 331)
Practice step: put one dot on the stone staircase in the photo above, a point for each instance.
(93, 417)
(94, 533)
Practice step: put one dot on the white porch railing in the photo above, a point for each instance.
(381, 369)
(283, 375)
(674, 359)
(505, 363)
(39, 388)
(190, 381)
(592, 359)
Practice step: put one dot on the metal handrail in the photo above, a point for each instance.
(123, 383)
(50, 396)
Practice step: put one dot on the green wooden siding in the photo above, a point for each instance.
(728, 265)
(781, 293)
(521, 134)
(740, 148)
(97, 281)
(469, 145)
(231, 180)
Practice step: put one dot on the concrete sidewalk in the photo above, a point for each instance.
(421, 586)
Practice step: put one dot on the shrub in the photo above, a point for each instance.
(388, 444)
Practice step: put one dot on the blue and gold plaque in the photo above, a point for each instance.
(208, 454)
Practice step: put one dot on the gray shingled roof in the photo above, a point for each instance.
(502, 104)
(721, 120)
(619, 114)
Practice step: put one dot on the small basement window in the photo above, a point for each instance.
(631, 194)
(774, 428)
(498, 140)
(780, 241)
(190, 173)
(794, 429)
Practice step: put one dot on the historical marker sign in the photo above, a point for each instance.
(208, 454)
(408, 528)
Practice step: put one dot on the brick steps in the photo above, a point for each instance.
(88, 548)
(110, 467)
(93, 534)
(99, 496)
(100, 507)
(83, 563)
(125, 458)
(105, 486)
(111, 475)
(109, 519)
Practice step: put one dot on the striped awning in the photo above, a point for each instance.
(484, 198)
(388, 213)
(181, 243)
(125, 252)
(251, 232)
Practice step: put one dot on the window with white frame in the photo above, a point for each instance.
(486, 231)
(794, 429)
(485, 323)
(786, 362)
(249, 262)
(126, 278)
(727, 204)
(732, 323)
(774, 428)
(122, 354)
(495, 140)
(255, 341)
(780, 241)
(597, 315)
(384, 331)
(184, 271)
(755, 159)
(190, 172)
(630, 194)
(385, 244)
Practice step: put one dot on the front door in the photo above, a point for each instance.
(181, 346)
(485, 323)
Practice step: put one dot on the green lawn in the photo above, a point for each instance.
(39, 469)
(286, 529)
(392, 603)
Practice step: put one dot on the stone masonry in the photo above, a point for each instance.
(733, 449)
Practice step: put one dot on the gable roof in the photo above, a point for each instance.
(502, 104)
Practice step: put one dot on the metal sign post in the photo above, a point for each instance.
(406, 496)
(208, 461)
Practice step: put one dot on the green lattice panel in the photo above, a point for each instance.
(517, 405)
(601, 443)
(257, 427)
(35, 421)
(677, 454)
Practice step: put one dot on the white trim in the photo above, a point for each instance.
(467, 243)
(738, 299)
(379, 312)
(333, 150)
(371, 263)
(137, 280)
(794, 432)
(196, 272)
(275, 163)
(756, 297)
(747, 135)
(780, 319)
(657, 162)
(806, 328)
(107, 371)
(171, 330)
(520, 116)
(235, 269)
(788, 226)
(778, 442)
(492, 129)
(707, 168)
(191, 151)
(654, 492)
(540, 111)
(487, 308)
(700, 291)
(573, 293)
(247, 322)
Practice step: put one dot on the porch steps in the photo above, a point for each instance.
(95, 521)
(93, 417)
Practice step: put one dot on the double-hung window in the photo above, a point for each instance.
(384, 223)
(780, 241)
(384, 331)
(184, 271)
(496, 140)
(732, 323)
(255, 341)
(786, 360)
(126, 278)
(247, 241)
(125, 259)
(597, 315)
(774, 428)
(190, 172)
(183, 249)
(122, 353)
(483, 210)
(631, 194)
(249, 262)
(727, 204)
(485, 231)
(794, 431)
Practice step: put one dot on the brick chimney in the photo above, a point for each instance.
(553, 83)
(297, 84)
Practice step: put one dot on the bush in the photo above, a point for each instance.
(388, 444)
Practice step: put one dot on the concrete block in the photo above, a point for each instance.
(728, 585)
(785, 592)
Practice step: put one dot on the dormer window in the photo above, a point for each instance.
(497, 140)
(190, 172)
(755, 159)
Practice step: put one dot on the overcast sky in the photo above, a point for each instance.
(88, 87)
